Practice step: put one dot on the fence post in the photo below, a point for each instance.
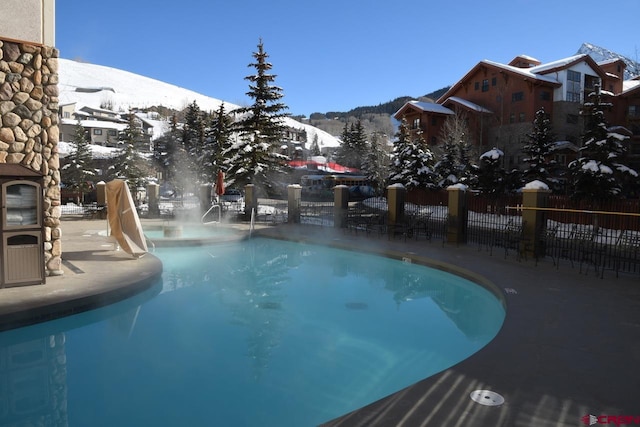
(153, 199)
(250, 200)
(294, 193)
(457, 219)
(533, 220)
(341, 205)
(396, 194)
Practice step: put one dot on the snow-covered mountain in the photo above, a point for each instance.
(95, 85)
(602, 54)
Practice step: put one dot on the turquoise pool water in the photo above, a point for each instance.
(253, 333)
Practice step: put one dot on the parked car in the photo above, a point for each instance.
(232, 195)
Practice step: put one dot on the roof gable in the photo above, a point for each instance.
(566, 63)
(422, 107)
(524, 73)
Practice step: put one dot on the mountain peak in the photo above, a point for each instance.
(600, 54)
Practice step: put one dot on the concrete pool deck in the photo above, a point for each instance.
(569, 346)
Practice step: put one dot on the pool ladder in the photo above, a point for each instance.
(207, 213)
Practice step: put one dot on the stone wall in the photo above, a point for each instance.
(29, 128)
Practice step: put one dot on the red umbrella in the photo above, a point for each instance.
(220, 184)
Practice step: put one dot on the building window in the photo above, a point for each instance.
(494, 81)
(545, 95)
(560, 159)
(112, 132)
(433, 140)
(517, 96)
(521, 117)
(573, 86)
(67, 115)
(416, 123)
(476, 85)
(434, 121)
(512, 118)
(485, 85)
(634, 110)
(97, 131)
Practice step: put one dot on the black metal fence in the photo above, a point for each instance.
(588, 235)
(603, 235)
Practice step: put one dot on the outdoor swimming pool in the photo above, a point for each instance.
(251, 333)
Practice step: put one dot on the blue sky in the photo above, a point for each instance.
(332, 55)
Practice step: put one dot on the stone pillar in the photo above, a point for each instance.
(534, 221)
(250, 200)
(396, 194)
(101, 199)
(101, 193)
(341, 205)
(29, 129)
(457, 219)
(294, 193)
(153, 199)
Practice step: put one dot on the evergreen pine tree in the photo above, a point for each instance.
(491, 177)
(129, 165)
(598, 173)
(173, 161)
(78, 171)
(412, 163)
(254, 157)
(354, 145)
(446, 168)
(193, 140)
(314, 150)
(218, 139)
(454, 164)
(467, 170)
(537, 148)
(376, 162)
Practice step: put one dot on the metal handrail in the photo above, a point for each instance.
(207, 213)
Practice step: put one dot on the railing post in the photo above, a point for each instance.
(341, 205)
(396, 194)
(458, 212)
(250, 200)
(294, 193)
(534, 220)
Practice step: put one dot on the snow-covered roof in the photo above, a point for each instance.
(560, 63)
(610, 61)
(629, 85)
(562, 145)
(430, 107)
(95, 124)
(97, 151)
(526, 72)
(468, 104)
(530, 58)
